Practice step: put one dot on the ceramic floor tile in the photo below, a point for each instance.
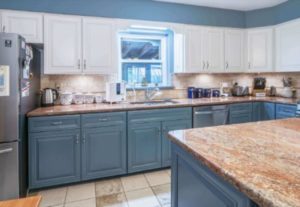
(158, 178)
(114, 200)
(134, 182)
(142, 198)
(53, 197)
(163, 194)
(80, 192)
(109, 187)
(83, 203)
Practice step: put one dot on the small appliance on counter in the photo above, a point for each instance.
(216, 93)
(240, 90)
(49, 96)
(259, 87)
(115, 92)
(226, 89)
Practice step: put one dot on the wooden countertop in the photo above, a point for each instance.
(261, 159)
(24, 202)
(94, 108)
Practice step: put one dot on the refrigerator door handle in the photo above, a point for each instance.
(6, 150)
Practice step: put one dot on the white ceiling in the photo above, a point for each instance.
(242, 5)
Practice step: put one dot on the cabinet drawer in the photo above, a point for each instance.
(53, 123)
(103, 119)
(160, 115)
(240, 108)
(285, 111)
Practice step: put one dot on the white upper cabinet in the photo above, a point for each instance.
(27, 24)
(194, 49)
(288, 46)
(214, 50)
(234, 50)
(99, 41)
(63, 45)
(260, 50)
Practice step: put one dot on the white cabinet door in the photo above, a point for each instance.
(28, 25)
(214, 50)
(260, 50)
(234, 50)
(99, 54)
(63, 45)
(194, 50)
(288, 47)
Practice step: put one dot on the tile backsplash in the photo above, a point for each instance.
(96, 84)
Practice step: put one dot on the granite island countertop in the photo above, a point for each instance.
(261, 159)
(94, 108)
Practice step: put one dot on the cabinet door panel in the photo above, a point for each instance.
(62, 45)
(166, 143)
(28, 25)
(234, 50)
(194, 50)
(104, 152)
(260, 43)
(144, 146)
(214, 48)
(98, 41)
(54, 158)
(287, 47)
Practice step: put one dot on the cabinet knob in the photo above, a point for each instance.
(203, 65)
(227, 65)
(249, 65)
(3, 28)
(79, 64)
(77, 139)
(207, 65)
(84, 64)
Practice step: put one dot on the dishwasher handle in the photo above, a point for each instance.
(3, 151)
(203, 112)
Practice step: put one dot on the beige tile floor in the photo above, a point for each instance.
(150, 189)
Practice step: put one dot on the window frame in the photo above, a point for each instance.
(163, 38)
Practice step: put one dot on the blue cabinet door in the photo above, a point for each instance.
(240, 113)
(144, 146)
(103, 152)
(268, 111)
(54, 158)
(166, 143)
(284, 111)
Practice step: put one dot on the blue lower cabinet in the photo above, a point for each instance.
(166, 143)
(144, 146)
(103, 152)
(54, 158)
(194, 184)
(284, 111)
(240, 113)
(263, 111)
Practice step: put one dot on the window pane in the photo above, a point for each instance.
(140, 49)
(138, 73)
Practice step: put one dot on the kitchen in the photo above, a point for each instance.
(138, 103)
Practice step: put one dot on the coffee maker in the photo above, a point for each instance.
(259, 87)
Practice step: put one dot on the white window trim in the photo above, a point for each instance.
(163, 54)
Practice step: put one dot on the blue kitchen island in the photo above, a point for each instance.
(243, 165)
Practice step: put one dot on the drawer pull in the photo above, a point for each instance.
(103, 119)
(57, 123)
(6, 150)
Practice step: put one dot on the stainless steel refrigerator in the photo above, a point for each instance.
(20, 67)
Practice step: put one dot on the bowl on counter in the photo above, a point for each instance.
(89, 98)
(66, 98)
(78, 98)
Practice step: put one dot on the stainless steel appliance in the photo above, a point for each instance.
(206, 116)
(240, 90)
(20, 82)
(49, 96)
(226, 89)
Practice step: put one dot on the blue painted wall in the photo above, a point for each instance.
(133, 9)
(275, 15)
(159, 11)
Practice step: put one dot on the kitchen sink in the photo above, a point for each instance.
(153, 102)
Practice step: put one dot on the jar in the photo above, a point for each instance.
(207, 93)
(78, 98)
(89, 98)
(66, 98)
(191, 92)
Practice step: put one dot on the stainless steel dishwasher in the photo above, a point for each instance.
(206, 116)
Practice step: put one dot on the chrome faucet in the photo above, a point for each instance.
(151, 93)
